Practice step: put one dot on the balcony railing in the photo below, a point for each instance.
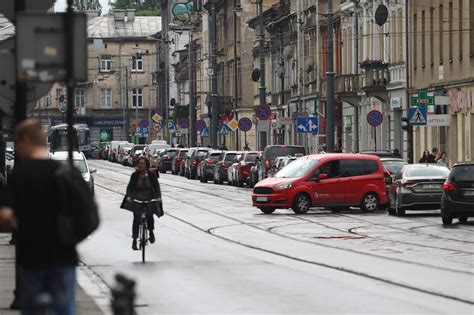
(377, 77)
(348, 84)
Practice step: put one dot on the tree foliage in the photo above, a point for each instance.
(82, 5)
(142, 7)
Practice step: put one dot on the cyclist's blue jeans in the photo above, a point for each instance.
(58, 282)
(136, 217)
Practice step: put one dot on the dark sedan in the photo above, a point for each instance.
(417, 187)
(207, 166)
(220, 170)
(458, 194)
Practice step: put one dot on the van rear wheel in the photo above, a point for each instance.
(370, 202)
(301, 204)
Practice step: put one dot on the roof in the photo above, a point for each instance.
(341, 156)
(64, 155)
(7, 29)
(106, 27)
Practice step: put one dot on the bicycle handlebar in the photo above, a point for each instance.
(144, 202)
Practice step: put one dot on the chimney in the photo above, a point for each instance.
(130, 15)
(119, 15)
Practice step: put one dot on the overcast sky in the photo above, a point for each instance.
(61, 5)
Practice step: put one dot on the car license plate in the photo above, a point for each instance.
(469, 193)
(431, 186)
(262, 199)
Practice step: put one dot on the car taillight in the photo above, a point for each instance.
(449, 187)
(267, 164)
(195, 162)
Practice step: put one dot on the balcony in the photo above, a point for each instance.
(376, 79)
(347, 88)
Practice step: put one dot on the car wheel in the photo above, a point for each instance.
(370, 202)
(462, 219)
(447, 220)
(267, 210)
(301, 204)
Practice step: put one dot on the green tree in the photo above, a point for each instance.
(82, 5)
(146, 7)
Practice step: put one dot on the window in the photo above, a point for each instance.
(79, 97)
(358, 167)
(137, 98)
(106, 98)
(59, 97)
(441, 31)
(431, 36)
(137, 63)
(415, 43)
(423, 41)
(450, 31)
(105, 63)
(331, 169)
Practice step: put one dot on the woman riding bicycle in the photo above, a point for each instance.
(143, 186)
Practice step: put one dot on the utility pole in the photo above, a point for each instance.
(213, 72)
(192, 93)
(330, 82)
(261, 53)
(355, 27)
(69, 28)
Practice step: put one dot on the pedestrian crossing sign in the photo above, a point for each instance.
(418, 116)
(223, 130)
(205, 132)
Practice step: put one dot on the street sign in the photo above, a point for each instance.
(307, 124)
(144, 123)
(205, 132)
(233, 124)
(171, 125)
(156, 127)
(133, 124)
(156, 118)
(438, 120)
(245, 124)
(418, 116)
(200, 125)
(138, 130)
(263, 112)
(42, 57)
(183, 122)
(374, 118)
(223, 130)
(145, 131)
(273, 116)
(422, 100)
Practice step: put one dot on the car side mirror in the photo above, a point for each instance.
(93, 170)
(322, 176)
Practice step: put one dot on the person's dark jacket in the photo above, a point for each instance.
(153, 181)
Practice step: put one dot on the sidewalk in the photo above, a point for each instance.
(84, 304)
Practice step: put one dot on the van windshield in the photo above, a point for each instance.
(297, 169)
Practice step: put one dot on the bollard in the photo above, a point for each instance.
(123, 296)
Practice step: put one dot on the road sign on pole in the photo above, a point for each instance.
(263, 112)
(307, 124)
(374, 118)
(223, 130)
(418, 116)
(205, 132)
(245, 124)
(171, 125)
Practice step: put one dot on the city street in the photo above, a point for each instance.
(215, 253)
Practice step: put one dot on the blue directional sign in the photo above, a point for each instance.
(139, 130)
(307, 124)
(145, 131)
(205, 132)
(171, 125)
(223, 130)
(418, 116)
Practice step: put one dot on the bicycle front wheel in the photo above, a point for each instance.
(143, 243)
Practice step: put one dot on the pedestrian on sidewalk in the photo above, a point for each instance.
(143, 186)
(435, 155)
(443, 160)
(46, 263)
(426, 157)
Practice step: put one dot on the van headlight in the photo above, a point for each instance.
(283, 186)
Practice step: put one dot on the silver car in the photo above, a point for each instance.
(417, 187)
(80, 163)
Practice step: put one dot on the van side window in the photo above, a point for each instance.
(358, 167)
(332, 169)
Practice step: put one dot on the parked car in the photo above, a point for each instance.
(206, 166)
(124, 153)
(271, 152)
(135, 152)
(155, 159)
(113, 152)
(242, 170)
(193, 158)
(417, 187)
(220, 169)
(166, 159)
(176, 162)
(257, 171)
(150, 149)
(80, 162)
(232, 170)
(336, 181)
(457, 200)
(393, 165)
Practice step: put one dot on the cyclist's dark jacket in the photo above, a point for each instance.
(153, 181)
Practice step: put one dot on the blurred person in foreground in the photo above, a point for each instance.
(46, 264)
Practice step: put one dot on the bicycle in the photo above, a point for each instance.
(143, 227)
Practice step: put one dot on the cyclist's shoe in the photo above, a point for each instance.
(134, 244)
(152, 237)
